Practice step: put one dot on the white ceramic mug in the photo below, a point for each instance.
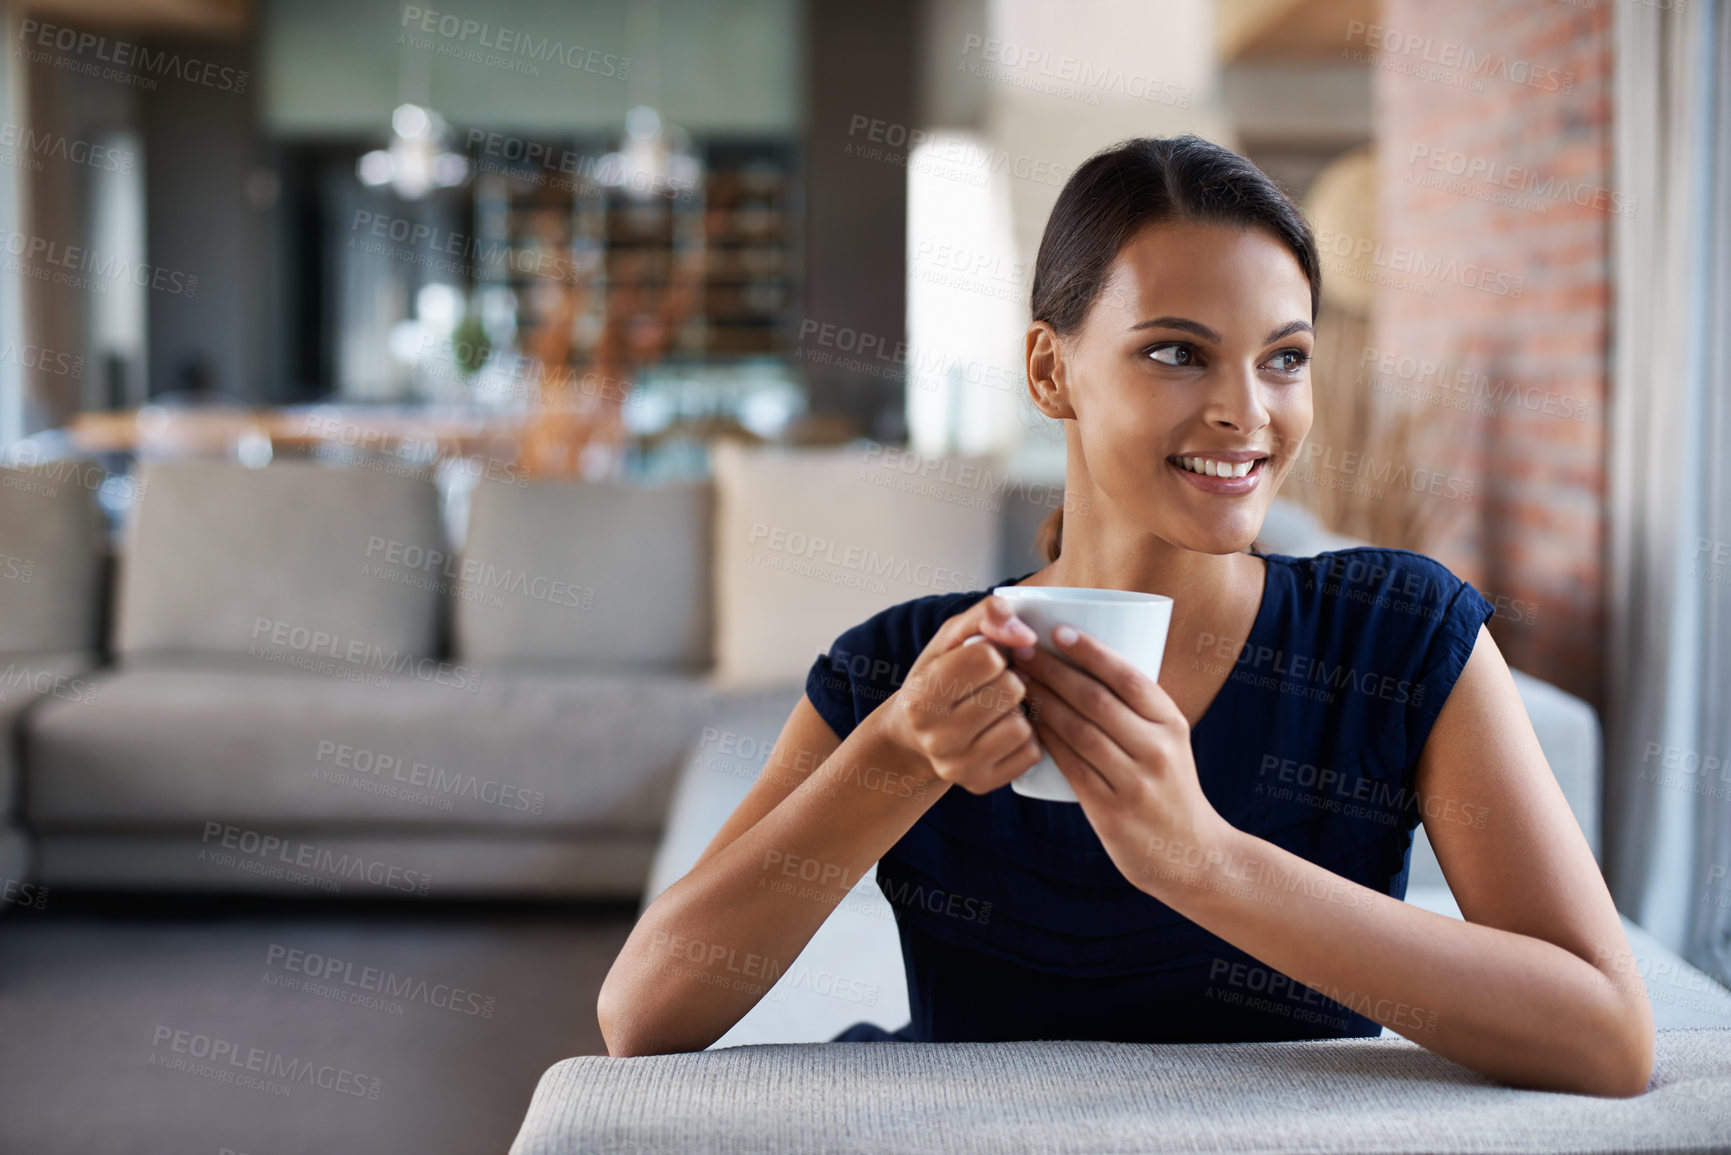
(1133, 624)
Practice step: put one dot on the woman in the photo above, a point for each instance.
(1236, 866)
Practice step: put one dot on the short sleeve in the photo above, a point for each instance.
(831, 694)
(868, 663)
(1450, 645)
(848, 681)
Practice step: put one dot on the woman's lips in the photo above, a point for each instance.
(1228, 486)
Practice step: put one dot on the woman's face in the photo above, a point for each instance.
(1198, 346)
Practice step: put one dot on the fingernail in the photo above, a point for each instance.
(1065, 635)
(1023, 652)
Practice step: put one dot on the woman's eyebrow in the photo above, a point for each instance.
(1208, 334)
(1288, 330)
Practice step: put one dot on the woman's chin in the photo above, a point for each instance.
(1218, 543)
(1227, 530)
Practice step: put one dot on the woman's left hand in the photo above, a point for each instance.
(1124, 747)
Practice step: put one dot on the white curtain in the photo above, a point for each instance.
(1709, 945)
(13, 190)
(1668, 715)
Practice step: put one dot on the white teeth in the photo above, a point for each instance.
(1210, 468)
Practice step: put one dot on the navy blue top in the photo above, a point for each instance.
(1014, 922)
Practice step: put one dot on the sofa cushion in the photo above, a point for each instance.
(1053, 1097)
(412, 865)
(294, 561)
(587, 572)
(169, 742)
(51, 547)
(811, 541)
(25, 679)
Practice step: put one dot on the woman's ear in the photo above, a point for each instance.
(1048, 371)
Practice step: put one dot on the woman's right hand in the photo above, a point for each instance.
(960, 707)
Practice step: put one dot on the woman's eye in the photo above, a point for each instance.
(1171, 355)
(1291, 360)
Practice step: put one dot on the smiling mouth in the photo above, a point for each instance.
(1209, 467)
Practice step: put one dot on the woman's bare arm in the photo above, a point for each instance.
(806, 742)
(711, 945)
(1536, 988)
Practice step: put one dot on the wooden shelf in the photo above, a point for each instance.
(739, 231)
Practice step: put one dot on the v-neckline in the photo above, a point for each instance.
(1263, 609)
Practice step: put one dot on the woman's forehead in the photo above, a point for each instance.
(1181, 266)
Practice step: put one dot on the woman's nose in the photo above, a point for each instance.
(1236, 400)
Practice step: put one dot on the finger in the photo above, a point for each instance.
(999, 698)
(1004, 627)
(945, 682)
(1014, 764)
(971, 701)
(1001, 623)
(1018, 762)
(1007, 638)
(991, 614)
(1108, 667)
(1002, 751)
(1005, 753)
(1083, 704)
(1084, 778)
(1079, 731)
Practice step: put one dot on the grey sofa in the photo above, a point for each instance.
(312, 692)
(308, 686)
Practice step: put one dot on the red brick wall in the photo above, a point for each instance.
(1504, 285)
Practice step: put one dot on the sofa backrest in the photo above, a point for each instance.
(295, 561)
(51, 550)
(586, 573)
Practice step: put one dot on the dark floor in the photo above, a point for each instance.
(154, 1026)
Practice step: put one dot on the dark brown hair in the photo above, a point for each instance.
(1138, 182)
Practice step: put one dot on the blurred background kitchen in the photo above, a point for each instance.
(538, 242)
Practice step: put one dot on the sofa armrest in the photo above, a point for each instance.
(1061, 1097)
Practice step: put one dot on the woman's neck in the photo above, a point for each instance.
(1160, 569)
(1213, 594)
